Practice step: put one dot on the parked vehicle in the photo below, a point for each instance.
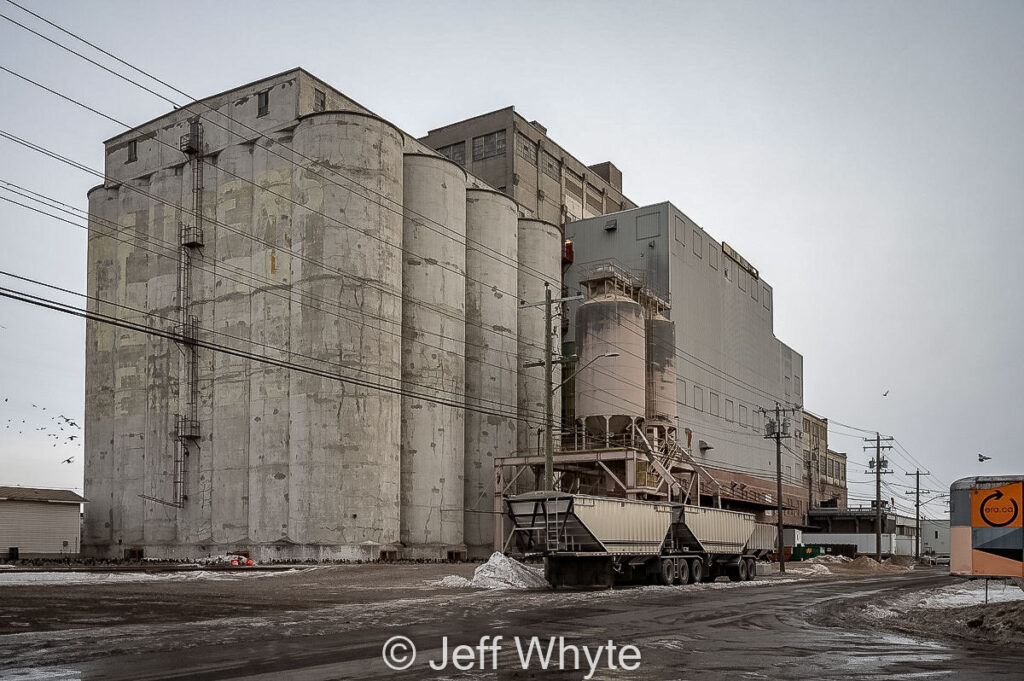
(600, 541)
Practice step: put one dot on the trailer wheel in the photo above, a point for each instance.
(697, 571)
(734, 572)
(667, 572)
(751, 568)
(684, 572)
(742, 568)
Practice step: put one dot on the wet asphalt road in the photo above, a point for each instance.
(722, 632)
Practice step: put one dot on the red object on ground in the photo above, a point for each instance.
(249, 562)
(234, 562)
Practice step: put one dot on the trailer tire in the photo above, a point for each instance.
(697, 570)
(741, 568)
(684, 572)
(666, 572)
(734, 573)
(751, 568)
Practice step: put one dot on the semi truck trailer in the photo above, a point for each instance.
(589, 541)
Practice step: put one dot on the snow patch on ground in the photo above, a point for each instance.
(69, 577)
(940, 598)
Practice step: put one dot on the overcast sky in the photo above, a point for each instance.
(866, 157)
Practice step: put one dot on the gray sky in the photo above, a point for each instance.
(866, 157)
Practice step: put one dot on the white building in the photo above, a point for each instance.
(935, 536)
(39, 523)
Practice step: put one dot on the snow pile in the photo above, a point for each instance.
(808, 569)
(828, 559)
(501, 572)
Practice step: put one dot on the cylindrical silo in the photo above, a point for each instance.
(100, 480)
(270, 402)
(661, 373)
(344, 439)
(131, 360)
(433, 357)
(610, 393)
(491, 355)
(163, 364)
(540, 262)
(229, 421)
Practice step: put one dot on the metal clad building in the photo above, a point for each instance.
(39, 523)
(728, 362)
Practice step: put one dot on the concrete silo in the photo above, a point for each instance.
(272, 304)
(433, 358)
(661, 376)
(540, 262)
(610, 394)
(343, 494)
(491, 355)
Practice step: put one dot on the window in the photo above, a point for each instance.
(552, 167)
(594, 200)
(487, 146)
(454, 152)
(573, 184)
(712, 256)
(766, 298)
(698, 399)
(526, 149)
(262, 103)
(133, 151)
(698, 244)
(742, 280)
(682, 391)
(728, 410)
(648, 226)
(796, 384)
(743, 415)
(714, 404)
(319, 100)
(680, 229)
(753, 290)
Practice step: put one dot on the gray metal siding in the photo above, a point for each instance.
(39, 527)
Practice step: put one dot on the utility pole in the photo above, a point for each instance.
(549, 362)
(878, 463)
(917, 504)
(775, 431)
(549, 441)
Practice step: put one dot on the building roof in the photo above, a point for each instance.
(56, 496)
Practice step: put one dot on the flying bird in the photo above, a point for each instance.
(885, 394)
(68, 460)
(982, 458)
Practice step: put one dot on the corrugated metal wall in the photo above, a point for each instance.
(39, 527)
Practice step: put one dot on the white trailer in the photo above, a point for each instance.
(598, 541)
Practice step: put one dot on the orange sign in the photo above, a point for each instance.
(998, 506)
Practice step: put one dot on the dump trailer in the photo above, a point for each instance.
(599, 541)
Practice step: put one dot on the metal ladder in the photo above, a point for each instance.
(551, 528)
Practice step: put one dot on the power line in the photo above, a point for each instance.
(57, 306)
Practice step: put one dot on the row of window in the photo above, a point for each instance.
(726, 409)
(731, 271)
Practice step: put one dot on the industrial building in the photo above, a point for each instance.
(519, 158)
(824, 469)
(330, 361)
(694, 322)
(39, 523)
(935, 536)
(857, 527)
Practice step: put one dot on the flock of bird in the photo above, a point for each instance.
(61, 429)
